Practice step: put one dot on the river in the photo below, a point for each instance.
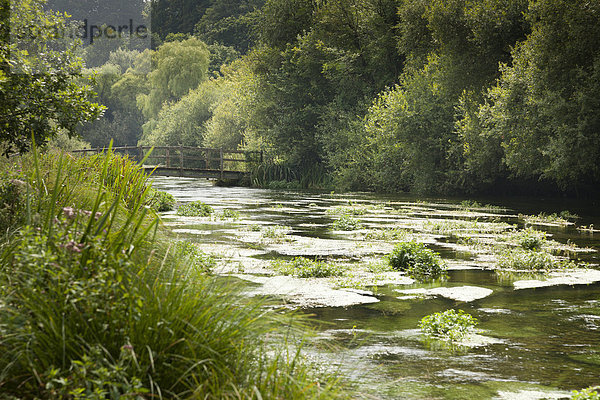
(538, 341)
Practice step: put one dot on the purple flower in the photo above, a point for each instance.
(74, 247)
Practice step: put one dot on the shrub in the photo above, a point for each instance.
(417, 261)
(449, 325)
(195, 209)
(306, 268)
(346, 223)
(162, 201)
(590, 393)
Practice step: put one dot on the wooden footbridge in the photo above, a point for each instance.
(190, 162)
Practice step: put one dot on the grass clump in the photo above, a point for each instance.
(195, 209)
(417, 261)
(532, 260)
(388, 234)
(346, 223)
(162, 201)
(528, 239)
(547, 219)
(94, 307)
(12, 204)
(472, 204)
(193, 257)
(448, 325)
(229, 214)
(347, 210)
(590, 393)
(302, 267)
(276, 234)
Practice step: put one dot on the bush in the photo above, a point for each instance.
(162, 201)
(590, 393)
(417, 261)
(305, 268)
(449, 325)
(195, 209)
(346, 223)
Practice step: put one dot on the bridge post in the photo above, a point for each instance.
(221, 161)
(141, 153)
(181, 159)
(168, 157)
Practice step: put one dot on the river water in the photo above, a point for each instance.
(532, 343)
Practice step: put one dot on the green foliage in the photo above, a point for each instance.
(545, 219)
(268, 172)
(529, 239)
(346, 223)
(41, 94)
(590, 393)
(388, 234)
(229, 214)
(13, 200)
(347, 210)
(417, 261)
(194, 258)
(118, 83)
(448, 325)
(231, 23)
(179, 67)
(541, 109)
(195, 209)
(162, 201)
(277, 233)
(306, 268)
(93, 308)
(532, 260)
(183, 122)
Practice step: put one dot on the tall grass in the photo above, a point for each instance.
(94, 305)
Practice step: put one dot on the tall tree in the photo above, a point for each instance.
(40, 92)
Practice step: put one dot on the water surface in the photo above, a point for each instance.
(536, 343)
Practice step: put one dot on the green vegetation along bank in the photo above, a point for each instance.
(96, 304)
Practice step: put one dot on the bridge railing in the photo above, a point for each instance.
(187, 157)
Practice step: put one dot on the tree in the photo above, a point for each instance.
(183, 122)
(545, 108)
(231, 23)
(179, 67)
(176, 16)
(40, 94)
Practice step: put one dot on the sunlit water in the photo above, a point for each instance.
(540, 343)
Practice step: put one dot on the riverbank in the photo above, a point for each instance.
(95, 303)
